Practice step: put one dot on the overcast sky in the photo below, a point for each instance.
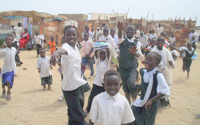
(161, 9)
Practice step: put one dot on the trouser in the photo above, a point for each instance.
(38, 46)
(85, 60)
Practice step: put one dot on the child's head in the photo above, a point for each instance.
(97, 28)
(36, 33)
(102, 54)
(152, 60)
(86, 35)
(19, 24)
(160, 42)
(152, 42)
(130, 30)
(106, 31)
(172, 35)
(152, 31)
(9, 40)
(112, 32)
(70, 35)
(141, 34)
(171, 48)
(86, 28)
(92, 29)
(189, 45)
(163, 34)
(52, 38)
(193, 30)
(42, 52)
(159, 25)
(193, 38)
(112, 82)
(25, 30)
(12, 26)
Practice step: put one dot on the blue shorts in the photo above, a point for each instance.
(8, 78)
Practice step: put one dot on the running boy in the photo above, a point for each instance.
(127, 60)
(110, 108)
(52, 45)
(102, 61)
(43, 65)
(9, 68)
(153, 87)
(72, 83)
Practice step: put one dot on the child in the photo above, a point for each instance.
(72, 83)
(29, 44)
(43, 65)
(52, 45)
(153, 87)
(56, 41)
(87, 53)
(152, 35)
(110, 108)
(172, 40)
(187, 61)
(127, 59)
(174, 53)
(102, 61)
(38, 42)
(150, 47)
(9, 68)
(194, 42)
(144, 40)
(115, 37)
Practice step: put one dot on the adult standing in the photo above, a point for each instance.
(159, 29)
(18, 31)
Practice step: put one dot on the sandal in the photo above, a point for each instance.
(8, 97)
(4, 95)
(198, 116)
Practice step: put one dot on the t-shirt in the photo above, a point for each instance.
(44, 65)
(172, 40)
(52, 44)
(38, 39)
(86, 48)
(159, 30)
(18, 32)
(110, 110)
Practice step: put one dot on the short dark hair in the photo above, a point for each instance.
(9, 35)
(42, 49)
(157, 56)
(111, 72)
(68, 27)
(19, 24)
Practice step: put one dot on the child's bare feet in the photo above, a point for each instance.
(49, 88)
(4, 94)
(44, 88)
(8, 97)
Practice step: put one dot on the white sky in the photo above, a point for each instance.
(161, 9)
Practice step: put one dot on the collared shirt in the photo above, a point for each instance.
(37, 39)
(9, 60)
(116, 41)
(196, 35)
(144, 40)
(86, 48)
(159, 30)
(71, 66)
(110, 110)
(18, 32)
(44, 65)
(91, 34)
(152, 36)
(172, 40)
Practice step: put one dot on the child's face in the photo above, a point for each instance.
(102, 54)
(152, 42)
(105, 32)
(160, 43)
(42, 53)
(70, 36)
(153, 31)
(52, 39)
(9, 41)
(141, 34)
(112, 84)
(130, 31)
(36, 33)
(87, 28)
(150, 62)
(112, 32)
(189, 46)
(193, 38)
(86, 35)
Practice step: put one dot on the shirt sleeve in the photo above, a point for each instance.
(128, 116)
(94, 110)
(121, 40)
(2, 53)
(162, 87)
(38, 63)
(65, 47)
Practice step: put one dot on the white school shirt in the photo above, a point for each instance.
(37, 39)
(91, 34)
(44, 65)
(18, 32)
(194, 34)
(101, 68)
(9, 60)
(159, 30)
(110, 110)
(144, 40)
(174, 52)
(172, 40)
(86, 48)
(71, 66)
(116, 41)
(151, 36)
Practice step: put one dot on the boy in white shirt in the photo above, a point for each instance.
(43, 65)
(111, 108)
(18, 31)
(172, 40)
(38, 42)
(152, 35)
(159, 29)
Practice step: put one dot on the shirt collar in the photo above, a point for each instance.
(9, 48)
(107, 96)
(150, 72)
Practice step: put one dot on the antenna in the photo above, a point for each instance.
(127, 11)
(147, 15)
(113, 12)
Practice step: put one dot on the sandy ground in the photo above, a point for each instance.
(30, 105)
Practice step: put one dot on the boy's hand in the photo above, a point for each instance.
(54, 56)
(0, 69)
(170, 63)
(39, 70)
(120, 26)
(83, 67)
(133, 49)
(148, 104)
(51, 67)
(143, 62)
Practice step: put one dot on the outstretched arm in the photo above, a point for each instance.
(108, 53)
(120, 27)
(56, 55)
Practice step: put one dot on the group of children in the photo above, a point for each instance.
(105, 104)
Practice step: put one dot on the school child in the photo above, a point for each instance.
(38, 42)
(115, 37)
(9, 69)
(187, 60)
(150, 46)
(72, 83)
(44, 68)
(30, 44)
(153, 87)
(174, 53)
(127, 59)
(109, 107)
(172, 40)
(102, 61)
(52, 45)
(56, 41)
(159, 29)
(194, 42)
(144, 40)
(163, 34)
(87, 53)
(152, 35)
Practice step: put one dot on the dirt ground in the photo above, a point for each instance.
(30, 105)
